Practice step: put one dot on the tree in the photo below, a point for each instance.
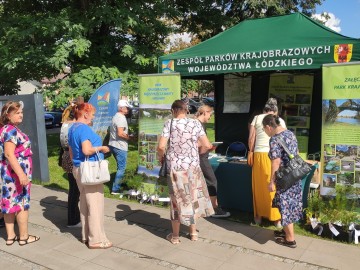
(85, 82)
(208, 18)
(41, 38)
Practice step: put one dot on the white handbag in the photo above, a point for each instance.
(94, 172)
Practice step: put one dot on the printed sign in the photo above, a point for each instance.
(157, 93)
(340, 138)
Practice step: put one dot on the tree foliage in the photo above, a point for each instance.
(207, 18)
(201, 87)
(39, 38)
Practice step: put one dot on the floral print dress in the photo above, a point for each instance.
(288, 201)
(187, 187)
(14, 196)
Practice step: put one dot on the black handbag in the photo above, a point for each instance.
(163, 169)
(296, 169)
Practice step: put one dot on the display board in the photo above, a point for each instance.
(157, 93)
(237, 94)
(294, 96)
(340, 138)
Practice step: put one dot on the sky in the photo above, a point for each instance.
(345, 16)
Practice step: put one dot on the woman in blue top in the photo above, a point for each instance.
(83, 141)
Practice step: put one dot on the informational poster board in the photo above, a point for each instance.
(157, 93)
(340, 138)
(294, 96)
(237, 94)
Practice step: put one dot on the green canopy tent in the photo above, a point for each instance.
(289, 43)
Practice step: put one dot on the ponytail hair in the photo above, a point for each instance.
(271, 106)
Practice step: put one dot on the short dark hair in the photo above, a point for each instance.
(271, 120)
(178, 106)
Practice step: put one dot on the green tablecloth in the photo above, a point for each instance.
(234, 185)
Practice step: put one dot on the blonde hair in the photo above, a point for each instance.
(9, 107)
(202, 109)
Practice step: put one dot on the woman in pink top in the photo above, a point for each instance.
(16, 173)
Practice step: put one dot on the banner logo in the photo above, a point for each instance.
(103, 99)
(343, 53)
(168, 66)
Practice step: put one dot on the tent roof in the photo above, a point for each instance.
(277, 43)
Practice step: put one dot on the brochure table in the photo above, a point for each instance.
(234, 184)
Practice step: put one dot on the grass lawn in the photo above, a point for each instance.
(58, 178)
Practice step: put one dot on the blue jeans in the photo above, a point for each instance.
(120, 156)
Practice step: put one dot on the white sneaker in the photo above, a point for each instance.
(115, 193)
(75, 226)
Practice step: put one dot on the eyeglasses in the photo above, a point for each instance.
(13, 102)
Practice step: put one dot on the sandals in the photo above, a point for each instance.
(23, 242)
(284, 242)
(102, 245)
(194, 237)
(9, 242)
(279, 234)
(173, 240)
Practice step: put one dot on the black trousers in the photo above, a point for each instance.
(209, 174)
(73, 201)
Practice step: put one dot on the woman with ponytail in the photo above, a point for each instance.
(259, 145)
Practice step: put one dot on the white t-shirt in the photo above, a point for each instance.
(262, 140)
(119, 120)
(64, 140)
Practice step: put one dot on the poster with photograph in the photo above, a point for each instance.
(340, 138)
(157, 93)
(293, 94)
(237, 94)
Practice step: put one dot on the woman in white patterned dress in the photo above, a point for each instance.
(187, 188)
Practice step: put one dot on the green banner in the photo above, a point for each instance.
(288, 42)
(157, 93)
(294, 96)
(340, 138)
(278, 59)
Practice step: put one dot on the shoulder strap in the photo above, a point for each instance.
(283, 144)
(168, 144)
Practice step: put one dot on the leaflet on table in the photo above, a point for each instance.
(216, 143)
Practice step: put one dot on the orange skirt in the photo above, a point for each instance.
(262, 198)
